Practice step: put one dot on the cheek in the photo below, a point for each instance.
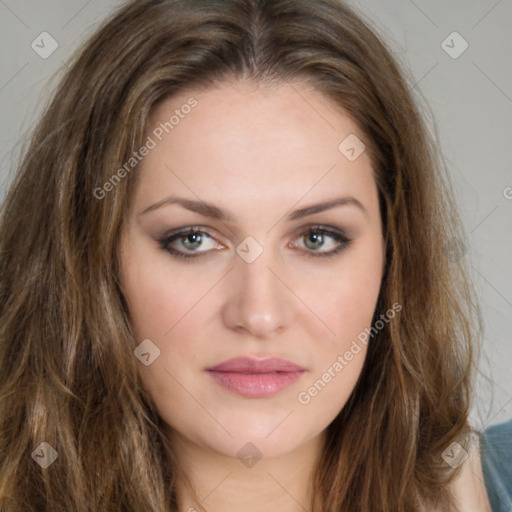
(348, 309)
(341, 356)
(348, 305)
(164, 307)
(353, 303)
(346, 298)
(158, 299)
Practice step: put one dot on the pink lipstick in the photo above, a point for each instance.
(255, 378)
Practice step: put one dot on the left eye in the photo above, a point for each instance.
(316, 241)
(323, 241)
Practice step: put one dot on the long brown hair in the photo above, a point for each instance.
(68, 376)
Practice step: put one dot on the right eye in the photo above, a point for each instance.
(188, 242)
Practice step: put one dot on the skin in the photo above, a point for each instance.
(257, 153)
(468, 487)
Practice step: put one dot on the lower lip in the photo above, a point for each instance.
(255, 385)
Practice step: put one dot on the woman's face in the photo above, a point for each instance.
(259, 173)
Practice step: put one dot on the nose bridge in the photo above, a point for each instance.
(258, 283)
(258, 301)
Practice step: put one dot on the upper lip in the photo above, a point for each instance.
(251, 365)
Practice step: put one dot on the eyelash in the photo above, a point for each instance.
(317, 229)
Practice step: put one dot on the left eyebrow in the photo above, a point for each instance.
(327, 205)
(212, 211)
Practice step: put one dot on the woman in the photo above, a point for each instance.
(238, 287)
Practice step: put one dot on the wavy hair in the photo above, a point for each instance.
(68, 376)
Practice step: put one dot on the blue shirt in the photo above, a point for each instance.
(496, 455)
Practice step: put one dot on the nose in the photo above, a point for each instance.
(259, 301)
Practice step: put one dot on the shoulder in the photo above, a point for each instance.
(496, 453)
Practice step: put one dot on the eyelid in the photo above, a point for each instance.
(184, 230)
(175, 234)
(321, 227)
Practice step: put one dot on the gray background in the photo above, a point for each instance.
(470, 97)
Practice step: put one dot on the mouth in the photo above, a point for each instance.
(254, 378)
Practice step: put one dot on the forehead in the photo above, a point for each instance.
(244, 143)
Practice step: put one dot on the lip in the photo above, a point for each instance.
(255, 378)
(251, 365)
